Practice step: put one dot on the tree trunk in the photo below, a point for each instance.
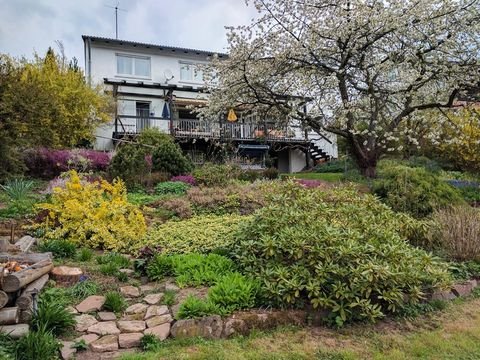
(365, 159)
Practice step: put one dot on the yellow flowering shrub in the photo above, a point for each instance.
(95, 214)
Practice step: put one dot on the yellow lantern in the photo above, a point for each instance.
(232, 117)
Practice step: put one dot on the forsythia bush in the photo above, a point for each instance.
(94, 214)
(336, 250)
(200, 234)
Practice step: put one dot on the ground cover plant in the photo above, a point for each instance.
(96, 215)
(172, 188)
(367, 266)
(19, 197)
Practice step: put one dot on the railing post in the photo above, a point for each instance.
(116, 125)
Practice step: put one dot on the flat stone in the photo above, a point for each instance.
(106, 316)
(88, 338)
(104, 328)
(153, 299)
(147, 288)
(127, 341)
(131, 326)
(15, 331)
(443, 295)
(465, 288)
(155, 310)
(136, 309)
(171, 286)
(91, 303)
(84, 321)
(105, 343)
(160, 331)
(209, 327)
(72, 310)
(129, 272)
(67, 352)
(132, 317)
(159, 320)
(130, 291)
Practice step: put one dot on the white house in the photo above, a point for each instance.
(156, 86)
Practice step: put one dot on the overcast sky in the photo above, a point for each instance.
(33, 25)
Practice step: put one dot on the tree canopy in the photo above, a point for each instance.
(356, 68)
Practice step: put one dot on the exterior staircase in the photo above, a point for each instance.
(316, 153)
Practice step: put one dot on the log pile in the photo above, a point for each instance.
(22, 277)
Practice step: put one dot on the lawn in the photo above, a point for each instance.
(330, 177)
(451, 334)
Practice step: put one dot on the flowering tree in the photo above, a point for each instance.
(356, 68)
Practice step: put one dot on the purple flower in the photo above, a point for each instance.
(187, 179)
(309, 184)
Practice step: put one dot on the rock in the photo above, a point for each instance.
(159, 320)
(84, 321)
(136, 309)
(155, 310)
(66, 275)
(144, 280)
(130, 291)
(153, 299)
(88, 338)
(132, 317)
(72, 310)
(15, 331)
(129, 272)
(147, 288)
(443, 295)
(131, 326)
(465, 288)
(104, 328)
(105, 343)
(160, 331)
(127, 341)
(106, 316)
(209, 327)
(91, 303)
(67, 352)
(171, 287)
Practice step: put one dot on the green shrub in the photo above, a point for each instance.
(336, 250)
(234, 292)
(85, 254)
(84, 289)
(335, 166)
(168, 298)
(115, 302)
(250, 175)
(52, 316)
(129, 163)
(190, 269)
(17, 189)
(168, 157)
(172, 188)
(59, 248)
(414, 190)
(193, 307)
(271, 173)
(40, 344)
(199, 234)
(149, 342)
(215, 174)
(458, 232)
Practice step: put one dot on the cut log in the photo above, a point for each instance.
(3, 299)
(19, 279)
(4, 245)
(25, 243)
(25, 300)
(25, 316)
(15, 331)
(9, 315)
(65, 275)
(30, 258)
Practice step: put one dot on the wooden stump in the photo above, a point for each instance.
(3, 298)
(65, 275)
(25, 300)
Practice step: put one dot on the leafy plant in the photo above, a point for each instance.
(17, 189)
(115, 302)
(149, 342)
(193, 307)
(121, 276)
(39, 344)
(117, 259)
(85, 254)
(271, 173)
(80, 345)
(168, 157)
(96, 215)
(337, 250)
(59, 248)
(172, 188)
(52, 316)
(216, 175)
(84, 289)
(168, 298)
(7, 347)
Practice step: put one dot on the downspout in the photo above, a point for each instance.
(88, 61)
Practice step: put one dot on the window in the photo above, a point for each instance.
(133, 65)
(190, 72)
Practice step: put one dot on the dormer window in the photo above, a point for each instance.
(190, 72)
(137, 66)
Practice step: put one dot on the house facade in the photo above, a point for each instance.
(157, 86)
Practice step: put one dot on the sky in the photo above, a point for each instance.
(34, 25)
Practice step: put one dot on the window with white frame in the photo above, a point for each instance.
(133, 65)
(190, 72)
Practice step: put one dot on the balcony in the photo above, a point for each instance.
(191, 129)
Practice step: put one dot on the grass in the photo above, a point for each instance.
(330, 177)
(451, 334)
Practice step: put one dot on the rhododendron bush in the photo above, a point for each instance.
(94, 214)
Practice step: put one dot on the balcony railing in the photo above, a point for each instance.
(192, 128)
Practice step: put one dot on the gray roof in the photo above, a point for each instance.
(98, 39)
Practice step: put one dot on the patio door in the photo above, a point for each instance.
(143, 115)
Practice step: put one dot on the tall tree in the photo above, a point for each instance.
(356, 68)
